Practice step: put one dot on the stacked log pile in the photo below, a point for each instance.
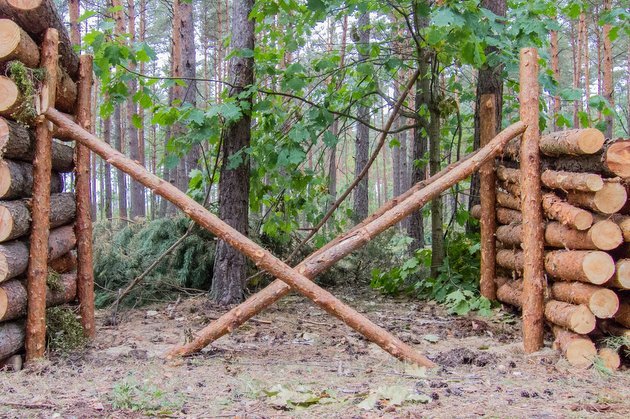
(26, 38)
(586, 234)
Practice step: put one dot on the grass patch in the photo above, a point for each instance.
(64, 333)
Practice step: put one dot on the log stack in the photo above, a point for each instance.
(586, 236)
(32, 34)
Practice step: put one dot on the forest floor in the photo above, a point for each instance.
(298, 361)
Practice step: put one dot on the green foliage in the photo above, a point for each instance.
(27, 81)
(53, 281)
(64, 333)
(457, 284)
(121, 255)
(144, 398)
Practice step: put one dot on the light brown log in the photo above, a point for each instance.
(610, 358)
(610, 199)
(12, 363)
(12, 100)
(507, 200)
(559, 235)
(531, 207)
(14, 254)
(13, 298)
(624, 224)
(579, 350)
(16, 180)
(487, 181)
(602, 302)
(35, 17)
(15, 44)
(64, 263)
(274, 266)
(593, 267)
(577, 318)
(573, 142)
(556, 209)
(606, 235)
(83, 223)
(612, 161)
(621, 278)
(37, 272)
(18, 143)
(15, 216)
(11, 338)
(588, 182)
(623, 314)
(504, 215)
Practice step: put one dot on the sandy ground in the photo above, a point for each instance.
(298, 361)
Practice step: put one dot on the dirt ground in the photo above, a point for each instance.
(297, 361)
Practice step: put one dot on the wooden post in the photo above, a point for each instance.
(487, 192)
(531, 205)
(35, 341)
(83, 223)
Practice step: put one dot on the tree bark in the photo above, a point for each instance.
(83, 223)
(555, 70)
(16, 180)
(35, 17)
(64, 263)
(14, 255)
(531, 207)
(107, 132)
(13, 298)
(579, 350)
(602, 302)
(572, 142)
(15, 216)
(623, 314)
(612, 161)
(556, 209)
(608, 200)
(18, 143)
(228, 281)
(621, 279)
(37, 272)
(608, 88)
(362, 141)
(11, 338)
(577, 318)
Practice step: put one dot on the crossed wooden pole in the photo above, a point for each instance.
(298, 278)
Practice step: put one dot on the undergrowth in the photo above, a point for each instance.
(64, 333)
(145, 398)
(456, 285)
(122, 254)
(27, 81)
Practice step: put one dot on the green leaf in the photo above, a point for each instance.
(86, 15)
(136, 121)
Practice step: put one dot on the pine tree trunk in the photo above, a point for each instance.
(107, 137)
(608, 72)
(362, 141)
(229, 276)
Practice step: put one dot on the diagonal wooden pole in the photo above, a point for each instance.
(261, 257)
(388, 215)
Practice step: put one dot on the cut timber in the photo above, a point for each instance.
(556, 209)
(504, 215)
(602, 302)
(611, 328)
(63, 264)
(507, 200)
(621, 279)
(14, 254)
(13, 363)
(610, 199)
(593, 267)
(603, 235)
(612, 161)
(83, 223)
(15, 44)
(15, 216)
(11, 100)
(587, 182)
(11, 338)
(13, 296)
(16, 180)
(579, 350)
(624, 224)
(291, 277)
(35, 17)
(577, 318)
(573, 142)
(610, 358)
(509, 293)
(623, 314)
(18, 142)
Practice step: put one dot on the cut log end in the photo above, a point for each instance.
(583, 220)
(582, 320)
(590, 140)
(610, 358)
(606, 235)
(618, 156)
(6, 223)
(604, 303)
(5, 177)
(4, 303)
(9, 95)
(598, 267)
(4, 268)
(622, 275)
(611, 198)
(579, 351)
(25, 4)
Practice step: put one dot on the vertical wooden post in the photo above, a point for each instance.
(531, 205)
(487, 180)
(83, 223)
(35, 340)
